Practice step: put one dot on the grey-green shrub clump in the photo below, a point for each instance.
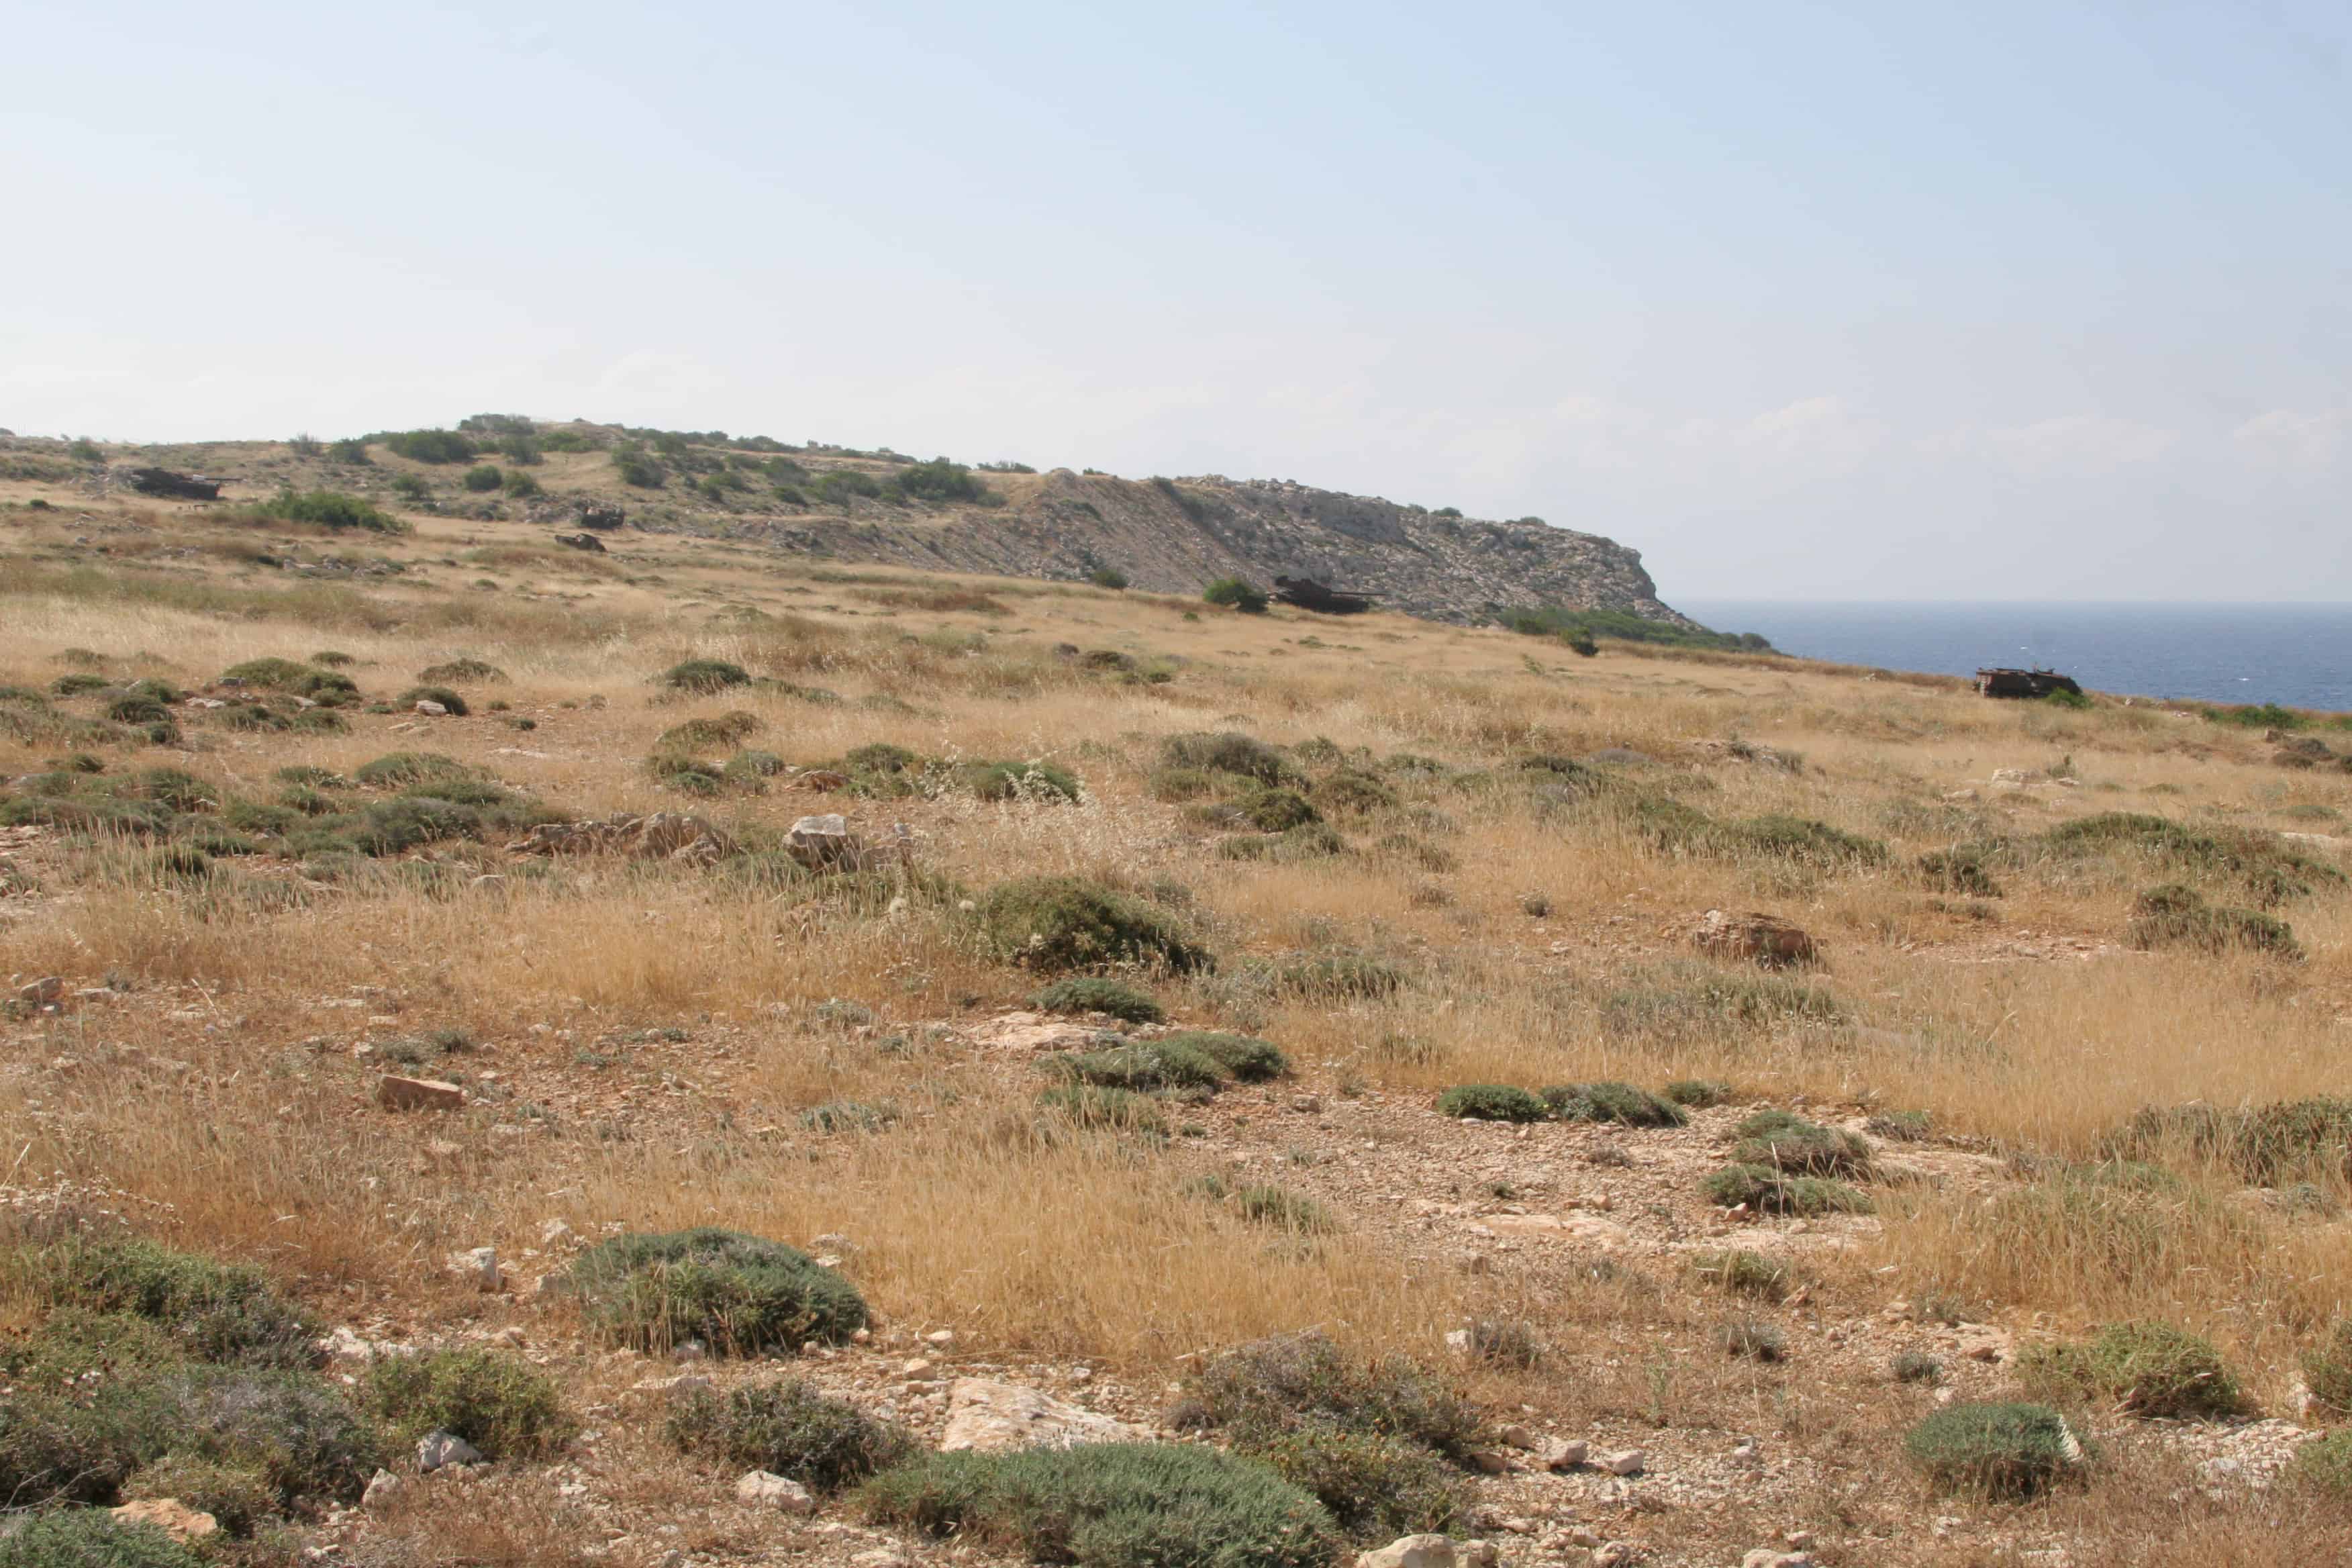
(2148, 1369)
(788, 1429)
(2002, 1450)
(1769, 1191)
(737, 1294)
(1245, 1056)
(703, 675)
(1143, 1067)
(1099, 993)
(1492, 1102)
(91, 1538)
(1054, 923)
(1111, 1505)
(2178, 916)
(1782, 1141)
(1607, 1101)
(501, 1404)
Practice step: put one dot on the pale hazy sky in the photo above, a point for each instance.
(1870, 299)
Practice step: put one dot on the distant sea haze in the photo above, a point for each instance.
(2299, 656)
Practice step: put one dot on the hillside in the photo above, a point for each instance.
(1335, 1059)
(1162, 535)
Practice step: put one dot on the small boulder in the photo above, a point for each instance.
(430, 708)
(436, 1450)
(394, 1093)
(46, 991)
(170, 1515)
(825, 842)
(476, 1267)
(762, 1490)
(382, 1487)
(1625, 1462)
(1411, 1552)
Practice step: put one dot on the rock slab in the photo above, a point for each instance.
(988, 1417)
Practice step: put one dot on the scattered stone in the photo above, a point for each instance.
(1411, 1552)
(762, 1489)
(419, 1094)
(940, 1340)
(382, 1487)
(1760, 938)
(173, 1517)
(989, 1417)
(46, 991)
(1031, 1033)
(436, 1450)
(1749, 1451)
(1566, 1455)
(1625, 1462)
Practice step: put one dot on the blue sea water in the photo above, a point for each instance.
(2299, 656)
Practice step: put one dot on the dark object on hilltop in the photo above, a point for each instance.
(603, 518)
(2024, 683)
(1308, 594)
(176, 486)
(587, 542)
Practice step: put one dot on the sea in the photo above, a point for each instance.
(2298, 656)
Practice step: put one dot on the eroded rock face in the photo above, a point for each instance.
(1760, 938)
(989, 1417)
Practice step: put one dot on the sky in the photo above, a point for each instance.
(1802, 300)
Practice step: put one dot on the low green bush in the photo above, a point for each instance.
(91, 1538)
(1960, 869)
(1099, 1109)
(711, 730)
(736, 1294)
(1227, 752)
(1492, 1102)
(1111, 1505)
(2324, 1464)
(1783, 1140)
(441, 694)
(501, 1404)
(2149, 1369)
(1019, 780)
(212, 1312)
(1282, 1384)
(2328, 1369)
(787, 1428)
(438, 447)
(1098, 993)
(704, 676)
(1245, 1056)
(1744, 1273)
(1999, 1450)
(1285, 1210)
(1276, 810)
(2266, 1145)
(1771, 1191)
(1376, 1486)
(1143, 1067)
(1238, 594)
(1052, 924)
(1340, 976)
(484, 477)
(1916, 1366)
(467, 669)
(1624, 1104)
(328, 508)
(2178, 916)
(238, 1497)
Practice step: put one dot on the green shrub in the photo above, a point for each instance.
(1314, 841)
(746, 769)
(1228, 752)
(1286, 1210)
(1913, 1366)
(1785, 1142)
(1960, 869)
(1053, 923)
(90, 1538)
(710, 731)
(1284, 1383)
(1744, 1273)
(1098, 993)
(1492, 1102)
(704, 676)
(238, 1497)
(1142, 1067)
(1357, 793)
(1107, 577)
(441, 694)
(1100, 1110)
(213, 1312)
(637, 469)
(1753, 1340)
(1246, 1057)
(2149, 1369)
(1609, 1101)
(1340, 975)
(2176, 916)
(1995, 1450)
(787, 1429)
(1111, 1505)
(349, 451)
(1698, 1093)
(737, 1294)
(941, 479)
(521, 485)
(1276, 810)
(1376, 1486)
(1019, 780)
(501, 1404)
(2322, 1465)
(294, 1427)
(329, 509)
(1236, 593)
(487, 477)
(849, 1116)
(1768, 1191)
(2327, 1370)
(78, 683)
(438, 447)
(2264, 1143)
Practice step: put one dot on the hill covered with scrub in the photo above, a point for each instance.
(1162, 535)
(686, 1054)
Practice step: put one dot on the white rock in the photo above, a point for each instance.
(942, 1339)
(1625, 1462)
(1411, 1552)
(1566, 1455)
(990, 1416)
(435, 1450)
(477, 1266)
(382, 1487)
(555, 1233)
(431, 709)
(765, 1491)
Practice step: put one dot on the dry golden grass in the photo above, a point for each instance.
(2022, 1026)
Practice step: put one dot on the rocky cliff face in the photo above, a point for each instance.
(1173, 536)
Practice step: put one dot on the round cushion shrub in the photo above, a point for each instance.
(1054, 923)
(1997, 1449)
(736, 1294)
(1492, 1102)
(703, 675)
(501, 1404)
(1248, 1059)
(1098, 993)
(90, 1538)
(787, 1429)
